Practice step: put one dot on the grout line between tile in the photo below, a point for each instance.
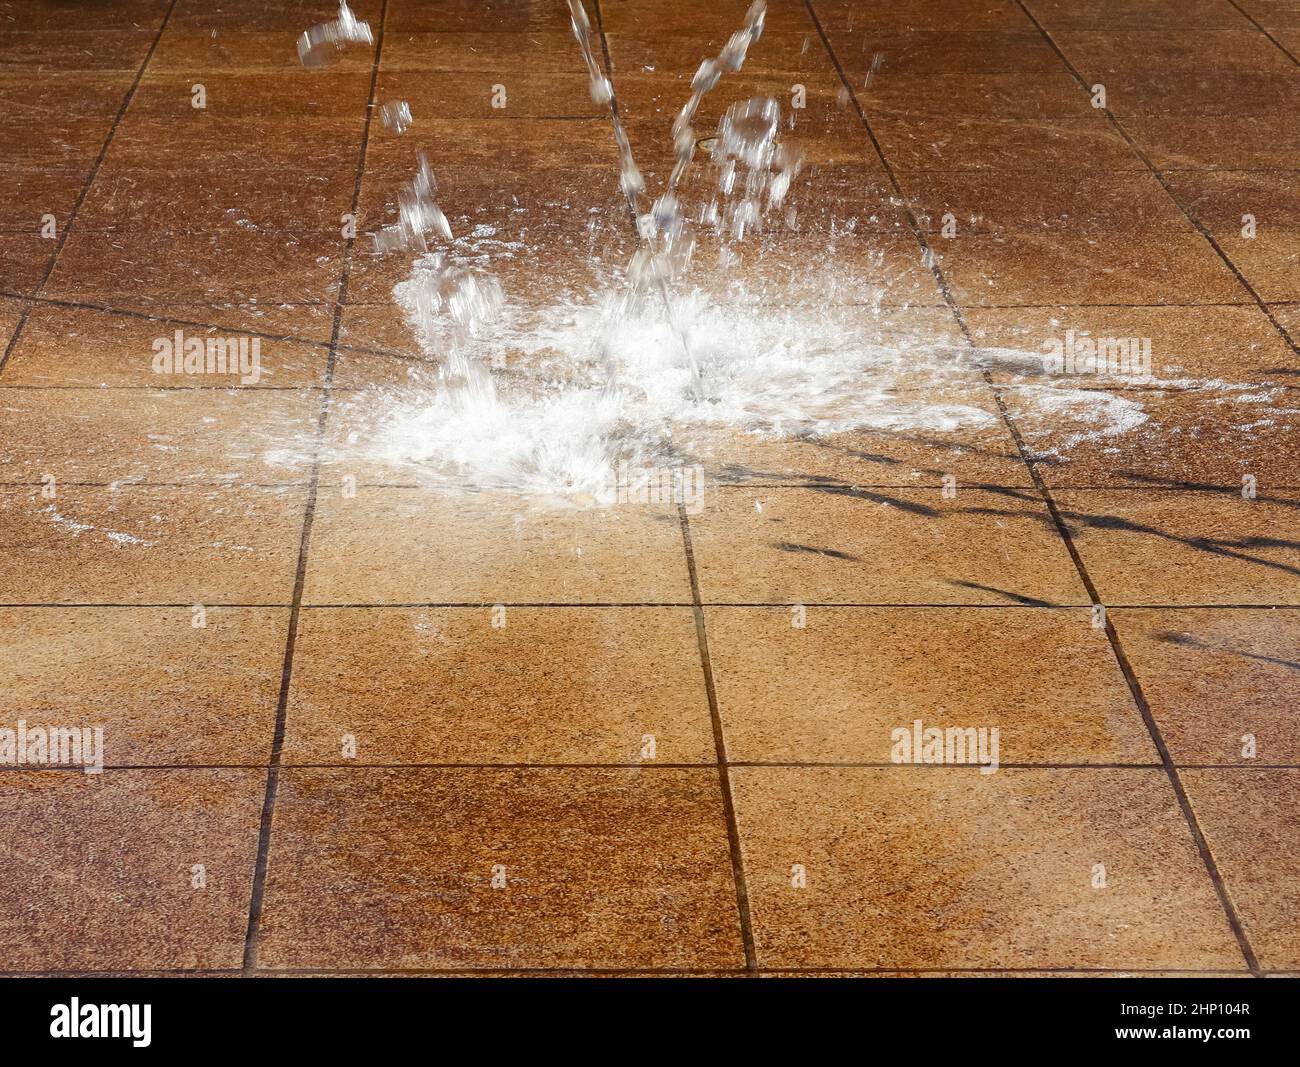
(719, 741)
(1276, 43)
(720, 747)
(29, 299)
(257, 895)
(1130, 676)
(1139, 697)
(1118, 127)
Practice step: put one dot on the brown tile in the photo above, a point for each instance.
(948, 868)
(102, 875)
(152, 545)
(229, 267)
(1212, 437)
(1072, 268)
(1250, 824)
(892, 546)
(376, 868)
(163, 436)
(444, 547)
(253, 171)
(165, 690)
(1015, 96)
(1289, 319)
(1189, 345)
(548, 685)
(943, 51)
(1224, 202)
(810, 269)
(24, 260)
(1212, 677)
(1204, 93)
(1186, 548)
(1043, 203)
(33, 191)
(1123, 15)
(488, 50)
(88, 348)
(491, 146)
(1270, 263)
(11, 312)
(1272, 14)
(668, 19)
(144, 14)
(844, 16)
(793, 52)
(835, 689)
(462, 16)
(976, 454)
(1251, 142)
(189, 48)
(73, 112)
(472, 94)
(75, 48)
(1099, 52)
(956, 142)
(290, 96)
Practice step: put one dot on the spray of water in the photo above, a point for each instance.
(580, 390)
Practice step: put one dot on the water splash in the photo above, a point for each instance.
(321, 44)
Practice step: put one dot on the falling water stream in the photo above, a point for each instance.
(552, 400)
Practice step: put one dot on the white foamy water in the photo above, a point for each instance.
(552, 427)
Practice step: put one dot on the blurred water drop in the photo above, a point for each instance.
(321, 44)
(396, 116)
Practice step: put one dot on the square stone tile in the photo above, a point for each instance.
(422, 546)
(175, 435)
(1116, 16)
(224, 267)
(88, 348)
(961, 143)
(1198, 438)
(103, 875)
(1073, 268)
(547, 685)
(1249, 820)
(993, 202)
(1213, 677)
(834, 689)
(888, 546)
(1102, 51)
(944, 867)
(169, 686)
(1186, 548)
(150, 545)
(1191, 347)
(600, 868)
(1191, 142)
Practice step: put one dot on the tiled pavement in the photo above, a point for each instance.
(425, 732)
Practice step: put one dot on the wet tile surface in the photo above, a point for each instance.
(834, 689)
(908, 868)
(479, 686)
(794, 546)
(594, 869)
(1250, 823)
(511, 734)
(76, 901)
